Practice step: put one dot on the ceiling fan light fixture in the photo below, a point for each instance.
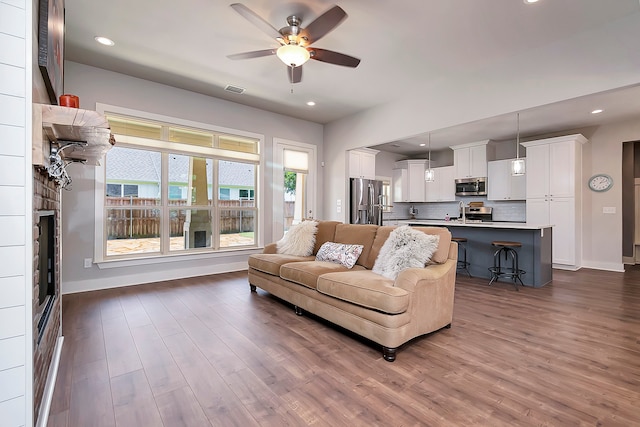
(293, 55)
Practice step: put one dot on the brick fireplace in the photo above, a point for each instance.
(46, 299)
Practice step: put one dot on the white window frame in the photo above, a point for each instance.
(279, 145)
(99, 188)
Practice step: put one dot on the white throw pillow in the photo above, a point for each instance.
(405, 248)
(299, 240)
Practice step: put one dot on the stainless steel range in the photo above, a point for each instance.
(478, 214)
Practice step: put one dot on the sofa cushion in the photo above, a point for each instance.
(299, 240)
(366, 289)
(405, 248)
(326, 233)
(271, 263)
(341, 253)
(307, 273)
(358, 234)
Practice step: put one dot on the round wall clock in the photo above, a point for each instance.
(600, 182)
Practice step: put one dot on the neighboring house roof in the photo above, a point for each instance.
(127, 164)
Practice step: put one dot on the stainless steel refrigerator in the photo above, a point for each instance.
(367, 201)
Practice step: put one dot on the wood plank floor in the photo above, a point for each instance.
(205, 351)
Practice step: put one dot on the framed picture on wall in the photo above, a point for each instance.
(51, 47)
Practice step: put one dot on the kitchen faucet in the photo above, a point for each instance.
(464, 216)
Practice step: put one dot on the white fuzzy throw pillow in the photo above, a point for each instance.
(405, 248)
(299, 240)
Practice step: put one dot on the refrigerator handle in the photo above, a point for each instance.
(371, 204)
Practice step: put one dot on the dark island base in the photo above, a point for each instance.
(534, 257)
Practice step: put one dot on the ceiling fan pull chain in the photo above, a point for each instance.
(291, 68)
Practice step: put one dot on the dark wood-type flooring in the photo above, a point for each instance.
(205, 351)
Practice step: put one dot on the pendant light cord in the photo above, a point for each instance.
(518, 137)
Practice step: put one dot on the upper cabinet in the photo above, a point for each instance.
(443, 187)
(470, 160)
(502, 185)
(408, 181)
(362, 163)
(552, 168)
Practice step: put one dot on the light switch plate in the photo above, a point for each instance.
(87, 262)
(609, 210)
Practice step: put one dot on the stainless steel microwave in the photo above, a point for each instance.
(471, 187)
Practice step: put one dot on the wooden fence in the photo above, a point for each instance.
(142, 218)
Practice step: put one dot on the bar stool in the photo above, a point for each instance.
(462, 265)
(497, 271)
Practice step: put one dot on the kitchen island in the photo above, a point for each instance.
(534, 256)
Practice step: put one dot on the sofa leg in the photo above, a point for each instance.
(253, 287)
(389, 354)
(298, 310)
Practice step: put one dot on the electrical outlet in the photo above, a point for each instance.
(87, 262)
(609, 210)
(339, 209)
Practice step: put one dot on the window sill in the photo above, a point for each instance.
(163, 259)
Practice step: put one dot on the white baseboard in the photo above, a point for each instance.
(148, 277)
(47, 396)
(607, 266)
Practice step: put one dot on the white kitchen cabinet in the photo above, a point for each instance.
(470, 160)
(408, 181)
(561, 213)
(554, 169)
(362, 163)
(502, 185)
(442, 188)
(400, 183)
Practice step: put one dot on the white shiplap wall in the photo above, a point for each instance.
(15, 213)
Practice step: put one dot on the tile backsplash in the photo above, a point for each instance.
(509, 211)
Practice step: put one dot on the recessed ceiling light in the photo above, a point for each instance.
(598, 111)
(423, 144)
(311, 103)
(530, 1)
(104, 40)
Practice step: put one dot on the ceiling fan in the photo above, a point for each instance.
(295, 42)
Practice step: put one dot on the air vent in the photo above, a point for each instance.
(234, 89)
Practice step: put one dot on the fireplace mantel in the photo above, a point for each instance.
(77, 135)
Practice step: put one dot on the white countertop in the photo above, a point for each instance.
(516, 225)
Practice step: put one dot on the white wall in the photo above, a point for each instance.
(602, 242)
(16, 285)
(95, 85)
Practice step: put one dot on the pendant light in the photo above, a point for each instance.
(518, 164)
(429, 174)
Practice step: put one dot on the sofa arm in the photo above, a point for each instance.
(410, 278)
(271, 248)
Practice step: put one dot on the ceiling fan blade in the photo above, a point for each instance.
(253, 54)
(332, 57)
(256, 20)
(323, 24)
(295, 74)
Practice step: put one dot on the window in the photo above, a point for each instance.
(246, 194)
(224, 194)
(160, 186)
(295, 177)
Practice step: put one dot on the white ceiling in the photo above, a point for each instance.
(404, 45)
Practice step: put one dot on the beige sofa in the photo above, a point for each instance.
(385, 311)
